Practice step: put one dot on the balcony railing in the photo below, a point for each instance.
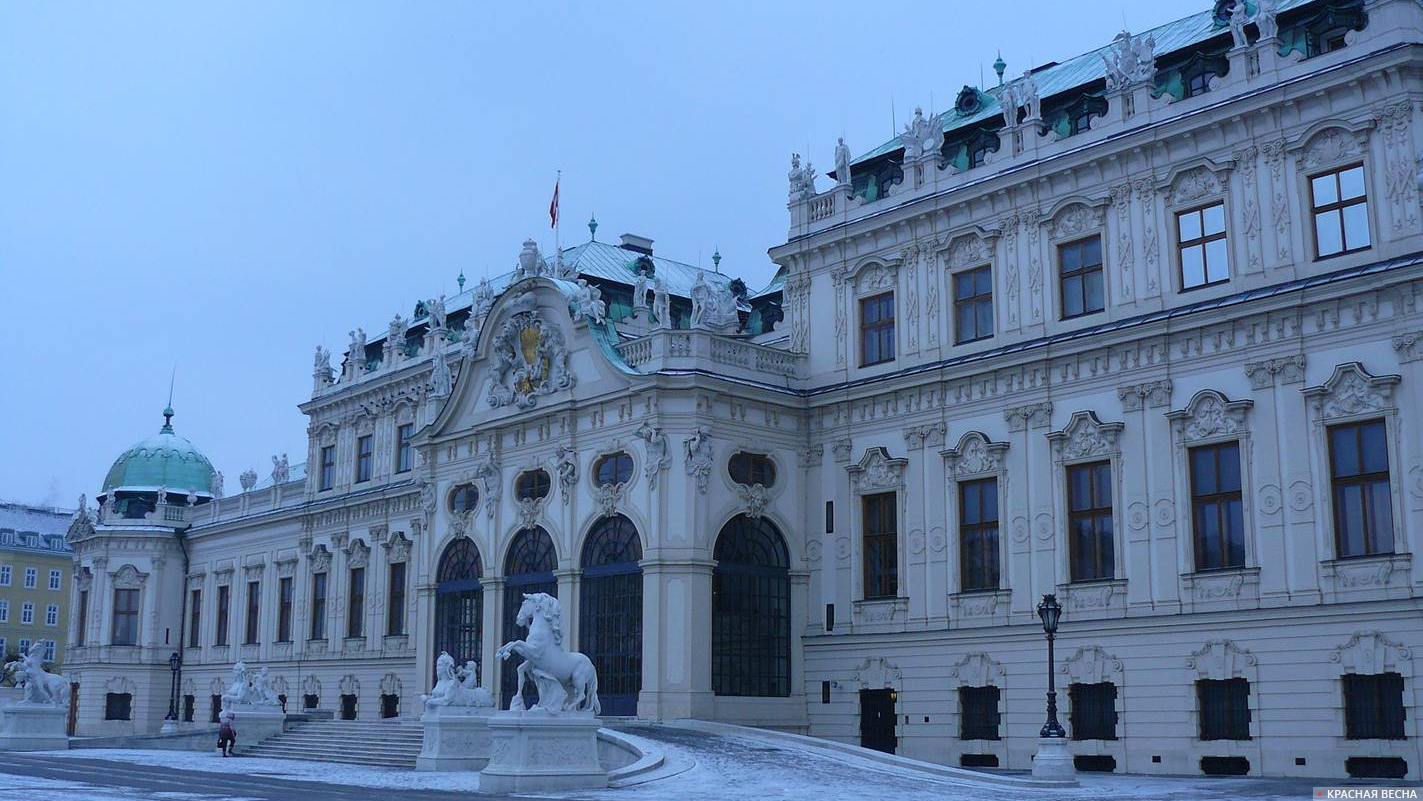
(671, 349)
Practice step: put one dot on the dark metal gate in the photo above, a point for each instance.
(877, 719)
(459, 604)
(528, 569)
(610, 612)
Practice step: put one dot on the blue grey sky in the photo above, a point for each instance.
(220, 186)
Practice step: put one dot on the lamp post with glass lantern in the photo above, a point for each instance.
(170, 722)
(1053, 761)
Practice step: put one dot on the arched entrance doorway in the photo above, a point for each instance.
(527, 569)
(751, 610)
(610, 612)
(459, 603)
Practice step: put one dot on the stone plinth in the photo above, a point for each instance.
(455, 738)
(255, 723)
(1053, 760)
(33, 727)
(536, 752)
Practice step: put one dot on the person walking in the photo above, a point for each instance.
(226, 734)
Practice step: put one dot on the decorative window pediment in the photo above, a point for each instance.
(1092, 665)
(320, 559)
(1084, 437)
(975, 455)
(253, 572)
(1208, 415)
(877, 673)
(1370, 652)
(877, 470)
(1331, 144)
(874, 276)
(128, 577)
(357, 554)
(1351, 391)
(978, 670)
(1220, 660)
(397, 549)
(286, 568)
(969, 249)
(1075, 217)
(1196, 181)
(120, 685)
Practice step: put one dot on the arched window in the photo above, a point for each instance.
(610, 612)
(528, 568)
(613, 468)
(464, 498)
(459, 602)
(531, 485)
(751, 610)
(752, 468)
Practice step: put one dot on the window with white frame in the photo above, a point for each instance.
(51, 615)
(3, 643)
(4, 611)
(27, 613)
(32, 578)
(1202, 246)
(49, 650)
(24, 646)
(55, 577)
(5, 573)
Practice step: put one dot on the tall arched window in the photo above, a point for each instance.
(751, 610)
(528, 568)
(459, 602)
(610, 612)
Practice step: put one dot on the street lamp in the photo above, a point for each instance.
(1053, 761)
(170, 722)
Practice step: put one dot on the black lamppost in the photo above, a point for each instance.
(1051, 612)
(175, 663)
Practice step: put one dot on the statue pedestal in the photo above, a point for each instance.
(536, 752)
(1053, 760)
(455, 738)
(255, 723)
(34, 727)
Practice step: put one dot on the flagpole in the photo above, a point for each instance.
(557, 221)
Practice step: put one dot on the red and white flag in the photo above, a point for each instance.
(553, 207)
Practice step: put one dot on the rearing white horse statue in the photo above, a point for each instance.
(566, 680)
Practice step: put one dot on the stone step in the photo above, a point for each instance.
(328, 737)
(387, 743)
(344, 758)
(322, 752)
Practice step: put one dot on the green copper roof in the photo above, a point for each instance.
(163, 460)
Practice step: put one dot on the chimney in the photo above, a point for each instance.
(635, 243)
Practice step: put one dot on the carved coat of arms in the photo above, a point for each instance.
(530, 358)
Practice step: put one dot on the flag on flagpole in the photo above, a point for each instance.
(553, 206)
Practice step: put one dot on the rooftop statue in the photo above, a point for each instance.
(396, 331)
(281, 470)
(1130, 60)
(356, 355)
(1238, 17)
(566, 680)
(322, 362)
(435, 307)
(661, 303)
(441, 382)
(456, 687)
(216, 484)
(248, 479)
(842, 162)
(1265, 19)
(802, 179)
(923, 136)
(588, 302)
(639, 291)
(531, 262)
(713, 308)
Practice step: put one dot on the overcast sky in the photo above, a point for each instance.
(217, 187)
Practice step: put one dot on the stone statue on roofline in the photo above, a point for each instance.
(441, 381)
(802, 179)
(217, 484)
(1130, 60)
(588, 302)
(842, 162)
(248, 479)
(713, 307)
(922, 136)
(1265, 19)
(1238, 17)
(531, 262)
(639, 291)
(661, 303)
(435, 307)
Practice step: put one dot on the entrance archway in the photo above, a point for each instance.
(610, 612)
(527, 569)
(459, 603)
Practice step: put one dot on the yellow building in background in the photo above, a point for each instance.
(36, 566)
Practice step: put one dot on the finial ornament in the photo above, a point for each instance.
(593, 228)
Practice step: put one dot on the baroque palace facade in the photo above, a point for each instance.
(1142, 329)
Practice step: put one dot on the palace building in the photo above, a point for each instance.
(1142, 329)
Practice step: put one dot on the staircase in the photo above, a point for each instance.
(393, 743)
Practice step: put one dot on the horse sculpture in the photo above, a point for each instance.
(566, 680)
(41, 686)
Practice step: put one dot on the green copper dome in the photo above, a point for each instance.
(163, 460)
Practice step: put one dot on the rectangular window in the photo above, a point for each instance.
(1094, 711)
(117, 706)
(285, 597)
(32, 578)
(190, 707)
(224, 604)
(877, 329)
(5, 573)
(978, 718)
(1203, 247)
(81, 631)
(364, 457)
(55, 577)
(125, 630)
(1089, 521)
(1080, 277)
(254, 608)
(1363, 502)
(4, 611)
(403, 433)
(51, 615)
(328, 467)
(24, 645)
(1373, 706)
(27, 613)
(356, 609)
(1224, 706)
(318, 606)
(395, 610)
(2, 646)
(195, 618)
(1341, 211)
(881, 546)
(1217, 513)
(973, 305)
(978, 535)
(50, 650)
